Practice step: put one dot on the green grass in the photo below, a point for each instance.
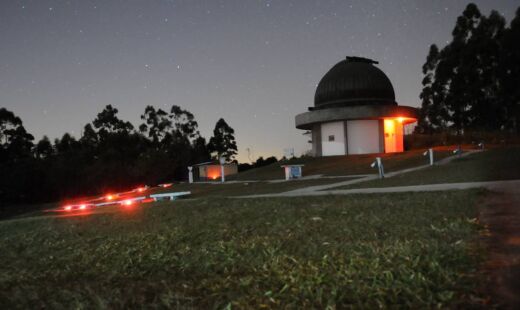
(343, 165)
(366, 251)
(216, 189)
(198, 190)
(491, 165)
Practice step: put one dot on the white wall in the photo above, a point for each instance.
(337, 147)
(363, 137)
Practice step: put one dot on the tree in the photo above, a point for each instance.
(66, 144)
(223, 140)
(15, 141)
(107, 122)
(90, 138)
(458, 68)
(509, 73)
(200, 151)
(433, 113)
(465, 83)
(157, 124)
(43, 148)
(184, 123)
(485, 111)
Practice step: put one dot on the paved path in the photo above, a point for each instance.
(397, 189)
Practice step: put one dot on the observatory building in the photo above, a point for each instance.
(355, 112)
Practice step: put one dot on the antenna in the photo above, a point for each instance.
(288, 152)
(249, 154)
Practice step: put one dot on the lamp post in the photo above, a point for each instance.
(190, 174)
(430, 153)
(222, 160)
(379, 164)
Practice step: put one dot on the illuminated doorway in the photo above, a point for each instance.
(393, 130)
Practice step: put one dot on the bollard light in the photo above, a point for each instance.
(190, 174)
(379, 164)
(222, 160)
(430, 153)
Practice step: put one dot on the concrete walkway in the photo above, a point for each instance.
(491, 185)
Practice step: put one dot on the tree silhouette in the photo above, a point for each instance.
(107, 122)
(470, 83)
(43, 148)
(223, 140)
(90, 138)
(509, 73)
(109, 155)
(15, 141)
(184, 123)
(157, 124)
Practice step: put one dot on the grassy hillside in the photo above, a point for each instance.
(493, 164)
(403, 250)
(345, 165)
(201, 190)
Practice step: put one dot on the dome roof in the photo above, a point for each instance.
(354, 81)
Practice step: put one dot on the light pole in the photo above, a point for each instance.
(222, 160)
(190, 174)
(379, 165)
(430, 153)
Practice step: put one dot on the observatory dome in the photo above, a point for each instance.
(354, 81)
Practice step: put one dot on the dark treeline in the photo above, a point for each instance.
(473, 83)
(110, 155)
(260, 162)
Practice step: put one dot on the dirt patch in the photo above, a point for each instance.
(500, 214)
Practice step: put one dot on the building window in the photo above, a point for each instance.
(331, 138)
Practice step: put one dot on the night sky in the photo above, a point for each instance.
(254, 63)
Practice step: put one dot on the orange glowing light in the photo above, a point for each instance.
(127, 202)
(393, 134)
(110, 197)
(82, 207)
(67, 208)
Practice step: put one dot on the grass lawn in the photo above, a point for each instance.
(199, 190)
(415, 250)
(345, 165)
(493, 164)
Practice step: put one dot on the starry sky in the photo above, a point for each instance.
(254, 63)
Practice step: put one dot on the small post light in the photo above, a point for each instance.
(379, 164)
(190, 174)
(222, 160)
(430, 153)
